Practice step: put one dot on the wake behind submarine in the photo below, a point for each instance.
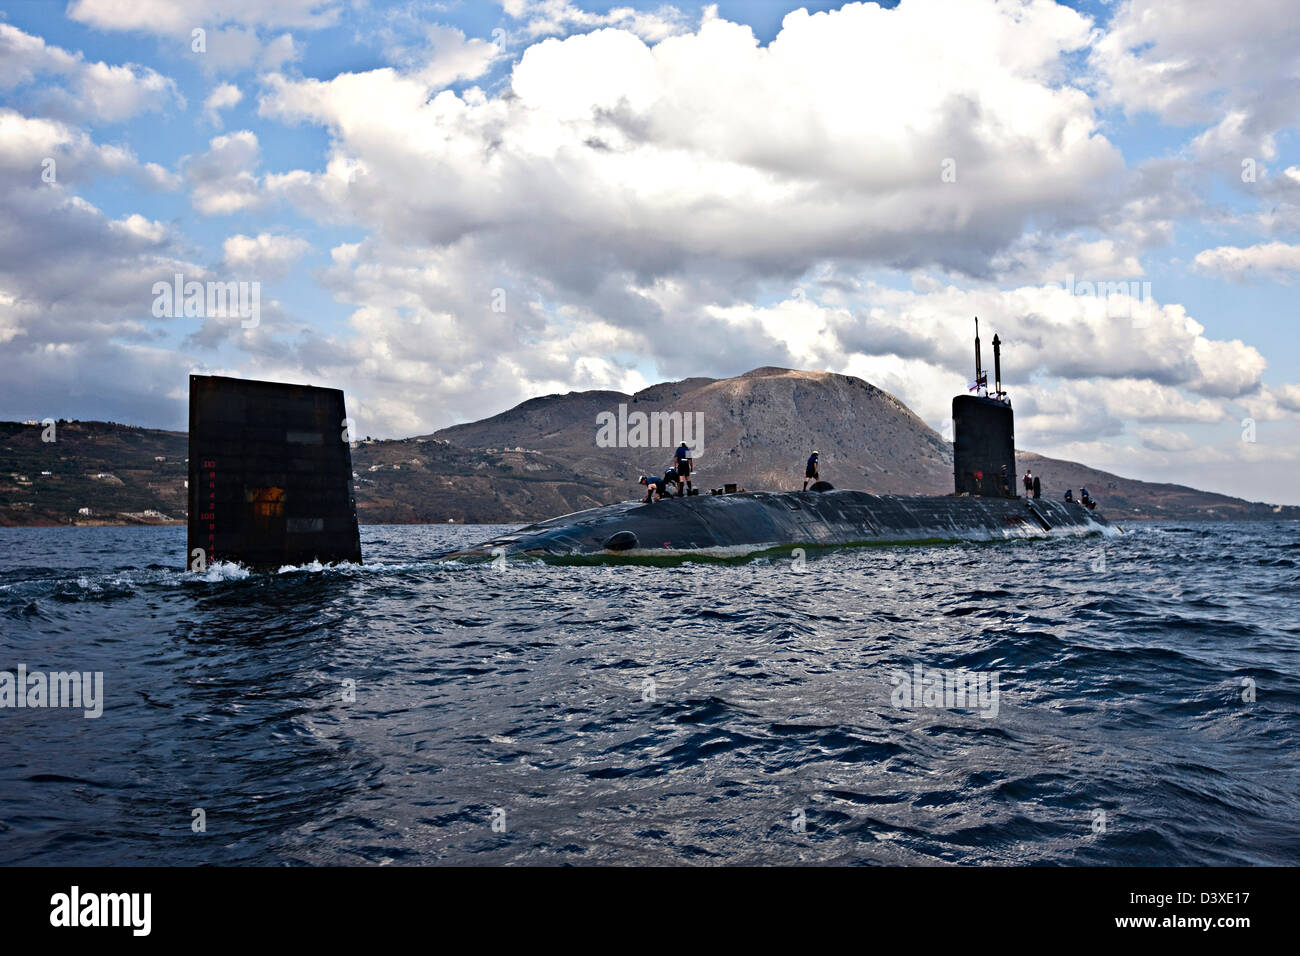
(982, 507)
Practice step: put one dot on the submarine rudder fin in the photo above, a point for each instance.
(270, 475)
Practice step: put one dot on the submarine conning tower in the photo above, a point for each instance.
(984, 434)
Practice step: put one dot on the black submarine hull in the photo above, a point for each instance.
(743, 524)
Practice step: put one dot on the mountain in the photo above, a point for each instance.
(758, 430)
(549, 456)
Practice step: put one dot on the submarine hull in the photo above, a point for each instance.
(750, 522)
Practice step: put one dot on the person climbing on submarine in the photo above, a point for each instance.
(655, 488)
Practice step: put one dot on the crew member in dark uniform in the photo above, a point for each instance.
(810, 471)
(1038, 486)
(683, 463)
(654, 488)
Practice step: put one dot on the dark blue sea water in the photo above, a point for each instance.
(697, 714)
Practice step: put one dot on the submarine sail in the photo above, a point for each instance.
(984, 434)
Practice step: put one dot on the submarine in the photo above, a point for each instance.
(730, 524)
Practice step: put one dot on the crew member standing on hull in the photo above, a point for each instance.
(1029, 483)
(810, 471)
(684, 464)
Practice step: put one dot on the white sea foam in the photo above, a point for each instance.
(220, 571)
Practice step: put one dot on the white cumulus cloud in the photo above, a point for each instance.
(222, 97)
(1271, 260)
(264, 255)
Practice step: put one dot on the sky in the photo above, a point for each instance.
(446, 208)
